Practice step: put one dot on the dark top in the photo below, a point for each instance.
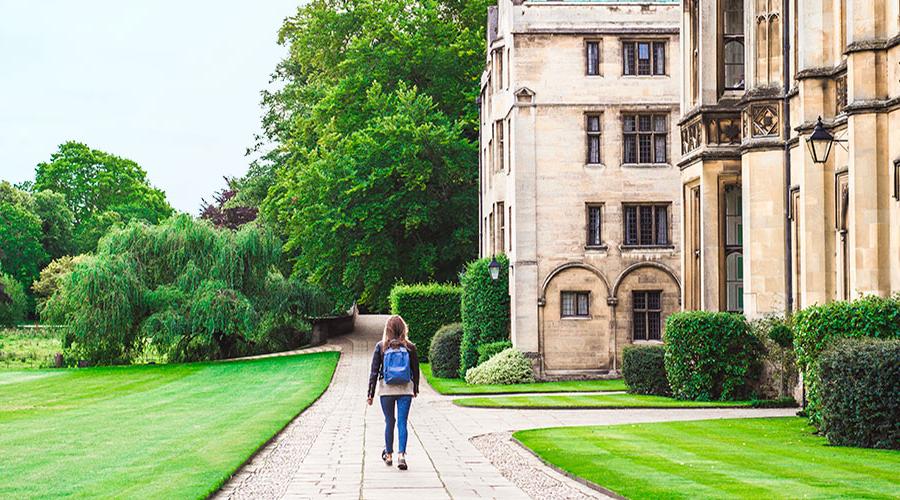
(378, 359)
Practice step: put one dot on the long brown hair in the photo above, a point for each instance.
(396, 333)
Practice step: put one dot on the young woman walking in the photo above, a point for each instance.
(395, 372)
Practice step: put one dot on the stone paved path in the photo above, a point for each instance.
(333, 449)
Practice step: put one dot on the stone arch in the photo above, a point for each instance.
(634, 267)
(571, 265)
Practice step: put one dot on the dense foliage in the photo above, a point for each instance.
(507, 367)
(13, 302)
(644, 369)
(444, 351)
(780, 373)
(20, 243)
(425, 308)
(185, 288)
(50, 278)
(223, 215)
(710, 356)
(485, 309)
(100, 189)
(818, 326)
(487, 351)
(369, 145)
(860, 401)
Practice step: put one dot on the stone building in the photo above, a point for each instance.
(578, 180)
(767, 228)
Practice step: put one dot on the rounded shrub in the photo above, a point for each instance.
(818, 326)
(13, 302)
(710, 356)
(487, 351)
(860, 403)
(425, 308)
(507, 367)
(485, 309)
(644, 368)
(444, 351)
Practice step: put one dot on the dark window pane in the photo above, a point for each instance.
(660, 148)
(653, 299)
(646, 236)
(734, 17)
(640, 300)
(640, 327)
(628, 58)
(593, 123)
(659, 58)
(643, 58)
(594, 149)
(593, 225)
(629, 123)
(644, 123)
(630, 149)
(583, 304)
(568, 304)
(645, 148)
(593, 58)
(662, 226)
(659, 123)
(653, 326)
(631, 237)
(734, 64)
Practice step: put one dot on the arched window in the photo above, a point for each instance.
(734, 256)
(732, 59)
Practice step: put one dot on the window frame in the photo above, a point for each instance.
(635, 136)
(655, 206)
(587, 56)
(646, 311)
(728, 38)
(590, 134)
(576, 295)
(500, 144)
(589, 243)
(897, 179)
(652, 44)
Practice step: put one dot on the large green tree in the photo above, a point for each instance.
(21, 253)
(370, 163)
(100, 189)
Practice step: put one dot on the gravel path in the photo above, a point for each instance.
(333, 449)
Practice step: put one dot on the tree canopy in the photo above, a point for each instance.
(369, 156)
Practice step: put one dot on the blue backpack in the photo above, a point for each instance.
(397, 370)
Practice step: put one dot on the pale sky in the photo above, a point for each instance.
(171, 84)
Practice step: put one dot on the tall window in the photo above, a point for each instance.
(646, 225)
(897, 179)
(592, 53)
(593, 138)
(733, 44)
(501, 223)
(646, 315)
(575, 304)
(734, 257)
(644, 58)
(594, 238)
(645, 138)
(498, 68)
(501, 154)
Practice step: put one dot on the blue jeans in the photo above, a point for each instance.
(387, 406)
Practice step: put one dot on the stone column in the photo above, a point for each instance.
(524, 284)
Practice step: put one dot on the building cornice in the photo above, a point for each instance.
(873, 45)
(709, 154)
(649, 30)
(722, 108)
(872, 106)
(762, 144)
(821, 71)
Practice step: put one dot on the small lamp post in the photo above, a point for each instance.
(494, 269)
(820, 143)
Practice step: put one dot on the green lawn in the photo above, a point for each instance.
(734, 458)
(455, 386)
(28, 348)
(165, 431)
(598, 401)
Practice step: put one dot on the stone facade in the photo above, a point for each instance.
(587, 210)
(810, 233)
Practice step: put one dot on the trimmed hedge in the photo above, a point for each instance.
(860, 402)
(12, 311)
(486, 351)
(817, 327)
(485, 309)
(710, 356)
(644, 368)
(444, 351)
(425, 308)
(507, 367)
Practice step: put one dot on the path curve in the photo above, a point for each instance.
(333, 448)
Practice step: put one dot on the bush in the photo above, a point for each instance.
(710, 356)
(13, 302)
(507, 367)
(860, 403)
(644, 368)
(444, 351)
(817, 327)
(486, 351)
(425, 308)
(485, 309)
